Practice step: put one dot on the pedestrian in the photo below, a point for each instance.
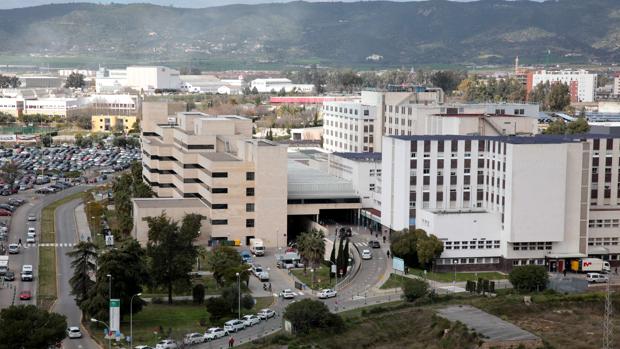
(616, 271)
(270, 287)
(20, 243)
(384, 239)
(231, 342)
(564, 272)
(388, 253)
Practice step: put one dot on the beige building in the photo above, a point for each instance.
(199, 163)
(112, 123)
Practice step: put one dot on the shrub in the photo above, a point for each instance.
(414, 289)
(529, 278)
(157, 300)
(247, 301)
(218, 307)
(308, 314)
(198, 294)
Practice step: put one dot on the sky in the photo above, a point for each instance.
(7, 4)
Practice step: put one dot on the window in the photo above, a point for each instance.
(220, 175)
(219, 206)
(249, 223)
(249, 176)
(219, 190)
(371, 187)
(249, 207)
(219, 221)
(249, 192)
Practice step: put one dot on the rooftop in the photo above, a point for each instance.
(538, 139)
(305, 183)
(359, 156)
(219, 156)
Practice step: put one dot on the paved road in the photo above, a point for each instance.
(67, 234)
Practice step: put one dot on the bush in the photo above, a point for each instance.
(529, 278)
(308, 314)
(157, 300)
(198, 294)
(247, 301)
(414, 289)
(218, 307)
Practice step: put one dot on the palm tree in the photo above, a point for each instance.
(311, 247)
(84, 266)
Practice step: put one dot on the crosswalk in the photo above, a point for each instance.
(67, 244)
(361, 244)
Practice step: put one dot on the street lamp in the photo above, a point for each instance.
(454, 281)
(239, 290)
(131, 319)
(108, 327)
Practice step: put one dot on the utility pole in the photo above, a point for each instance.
(608, 325)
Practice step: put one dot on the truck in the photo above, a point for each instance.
(4, 264)
(588, 265)
(257, 247)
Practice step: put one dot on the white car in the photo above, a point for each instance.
(215, 333)
(142, 347)
(327, 293)
(250, 320)
(13, 249)
(366, 254)
(30, 239)
(596, 278)
(166, 344)
(32, 230)
(287, 294)
(74, 332)
(32, 218)
(234, 326)
(265, 314)
(193, 338)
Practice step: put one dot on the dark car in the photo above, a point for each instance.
(374, 244)
(9, 276)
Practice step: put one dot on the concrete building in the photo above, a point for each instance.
(360, 125)
(616, 86)
(276, 85)
(112, 123)
(211, 165)
(498, 202)
(116, 104)
(41, 81)
(211, 84)
(46, 106)
(110, 80)
(148, 78)
(307, 133)
(581, 83)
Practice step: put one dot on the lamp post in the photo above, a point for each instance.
(108, 327)
(454, 281)
(131, 319)
(239, 290)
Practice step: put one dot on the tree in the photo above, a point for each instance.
(129, 272)
(556, 127)
(332, 259)
(198, 293)
(529, 278)
(414, 289)
(46, 140)
(84, 264)
(75, 80)
(307, 315)
(171, 250)
(225, 262)
(311, 246)
(416, 247)
(9, 172)
(217, 308)
(29, 327)
(9, 81)
(579, 126)
(428, 248)
(6, 118)
(447, 80)
(559, 97)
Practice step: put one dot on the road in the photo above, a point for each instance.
(67, 234)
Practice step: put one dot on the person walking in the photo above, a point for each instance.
(231, 342)
(388, 253)
(20, 242)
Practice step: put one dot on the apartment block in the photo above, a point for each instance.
(209, 164)
(581, 83)
(498, 202)
(112, 123)
(349, 126)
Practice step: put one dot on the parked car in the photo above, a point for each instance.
(9, 276)
(366, 254)
(596, 278)
(27, 272)
(30, 238)
(166, 344)
(234, 326)
(5, 213)
(25, 295)
(215, 333)
(74, 332)
(250, 320)
(374, 244)
(142, 347)
(265, 314)
(193, 338)
(13, 248)
(32, 218)
(327, 293)
(287, 294)
(260, 273)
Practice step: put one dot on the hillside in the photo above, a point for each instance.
(403, 33)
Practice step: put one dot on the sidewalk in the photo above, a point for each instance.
(81, 222)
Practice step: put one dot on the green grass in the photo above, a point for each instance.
(395, 280)
(321, 276)
(211, 288)
(178, 319)
(47, 286)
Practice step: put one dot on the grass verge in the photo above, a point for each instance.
(321, 275)
(176, 319)
(47, 290)
(449, 277)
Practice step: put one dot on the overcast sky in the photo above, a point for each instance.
(5, 4)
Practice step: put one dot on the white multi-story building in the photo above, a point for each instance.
(497, 202)
(616, 86)
(276, 85)
(45, 106)
(581, 83)
(140, 78)
(358, 126)
(110, 80)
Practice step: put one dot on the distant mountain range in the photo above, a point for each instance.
(332, 33)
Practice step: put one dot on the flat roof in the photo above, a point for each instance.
(305, 182)
(538, 139)
(359, 156)
(218, 156)
(168, 202)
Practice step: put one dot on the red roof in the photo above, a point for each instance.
(307, 99)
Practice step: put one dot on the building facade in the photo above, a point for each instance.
(581, 83)
(112, 123)
(211, 162)
(498, 202)
(276, 85)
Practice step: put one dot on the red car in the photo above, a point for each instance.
(25, 295)
(5, 213)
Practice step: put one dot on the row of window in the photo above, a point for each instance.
(604, 223)
(534, 261)
(604, 241)
(471, 245)
(531, 246)
(477, 260)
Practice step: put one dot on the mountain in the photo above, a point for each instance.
(335, 33)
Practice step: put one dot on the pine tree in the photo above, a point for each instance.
(345, 258)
